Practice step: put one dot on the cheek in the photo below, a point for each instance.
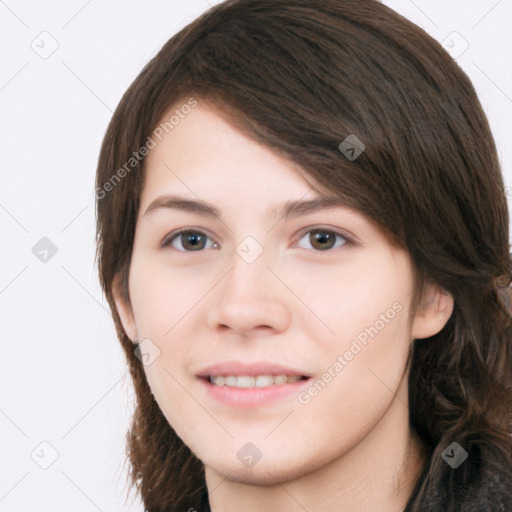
(160, 297)
(163, 302)
(362, 374)
(363, 303)
(363, 338)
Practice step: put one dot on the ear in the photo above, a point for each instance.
(124, 308)
(433, 313)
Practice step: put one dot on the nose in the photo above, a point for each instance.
(250, 298)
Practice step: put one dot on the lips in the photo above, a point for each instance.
(238, 368)
(241, 385)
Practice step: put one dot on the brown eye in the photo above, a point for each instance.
(188, 240)
(323, 239)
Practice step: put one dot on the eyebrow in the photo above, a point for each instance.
(288, 210)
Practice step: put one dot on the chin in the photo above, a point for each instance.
(263, 473)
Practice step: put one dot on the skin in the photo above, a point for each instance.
(350, 448)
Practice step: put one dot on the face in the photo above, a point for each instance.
(248, 294)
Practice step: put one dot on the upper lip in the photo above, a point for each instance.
(239, 368)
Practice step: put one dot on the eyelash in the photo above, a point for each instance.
(169, 239)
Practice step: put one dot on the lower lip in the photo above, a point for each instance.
(252, 397)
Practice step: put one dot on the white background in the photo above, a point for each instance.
(63, 379)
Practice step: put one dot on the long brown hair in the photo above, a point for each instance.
(299, 76)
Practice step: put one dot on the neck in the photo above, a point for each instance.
(378, 473)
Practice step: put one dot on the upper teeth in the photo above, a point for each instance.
(259, 381)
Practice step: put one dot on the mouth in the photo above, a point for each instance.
(244, 384)
(253, 381)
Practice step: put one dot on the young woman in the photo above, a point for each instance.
(303, 237)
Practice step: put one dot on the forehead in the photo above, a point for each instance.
(204, 152)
